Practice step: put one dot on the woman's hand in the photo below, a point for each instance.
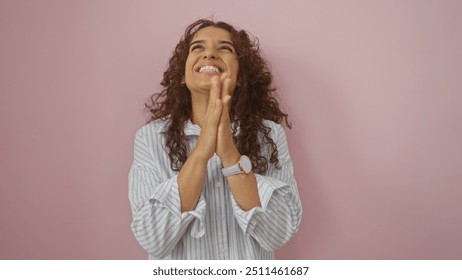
(207, 142)
(225, 149)
(216, 134)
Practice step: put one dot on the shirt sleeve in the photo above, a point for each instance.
(158, 223)
(278, 219)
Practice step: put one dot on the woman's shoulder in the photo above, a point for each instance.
(154, 127)
(270, 123)
(274, 126)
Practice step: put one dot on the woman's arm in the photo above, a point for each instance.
(158, 223)
(279, 217)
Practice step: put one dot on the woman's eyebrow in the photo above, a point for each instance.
(197, 42)
(219, 41)
(226, 42)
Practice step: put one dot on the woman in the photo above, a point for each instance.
(212, 177)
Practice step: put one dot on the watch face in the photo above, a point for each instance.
(246, 164)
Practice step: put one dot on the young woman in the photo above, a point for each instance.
(212, 177)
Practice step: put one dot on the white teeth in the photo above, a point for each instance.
(209, 69)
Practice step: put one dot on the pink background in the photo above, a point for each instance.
(373, 89)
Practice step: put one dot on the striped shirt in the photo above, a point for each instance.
(217, 228)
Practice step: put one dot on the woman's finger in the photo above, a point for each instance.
(217, 112)
(214, 91)
(225, 86)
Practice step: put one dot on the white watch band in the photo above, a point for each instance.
(243, 166)
(231, 170)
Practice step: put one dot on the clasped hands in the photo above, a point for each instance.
(216, 134)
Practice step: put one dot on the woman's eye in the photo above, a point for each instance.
(196, 47)
(226, 48)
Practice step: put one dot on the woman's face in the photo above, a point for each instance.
(211, 53)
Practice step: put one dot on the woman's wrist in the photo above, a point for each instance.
(231, 158)
(198, 158)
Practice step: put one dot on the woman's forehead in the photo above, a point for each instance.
(213, 33)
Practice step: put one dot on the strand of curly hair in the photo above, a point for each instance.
(253, 101)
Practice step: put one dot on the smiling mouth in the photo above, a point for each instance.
(210, 69)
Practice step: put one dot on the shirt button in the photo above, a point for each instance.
(218, 184)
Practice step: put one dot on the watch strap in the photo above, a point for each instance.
(232, 170)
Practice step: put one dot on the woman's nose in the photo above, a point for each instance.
(210, 54)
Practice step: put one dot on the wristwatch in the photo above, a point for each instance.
(243, 166)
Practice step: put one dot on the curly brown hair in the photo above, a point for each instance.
(253, 100)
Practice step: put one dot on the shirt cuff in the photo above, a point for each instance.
(266, 187)
(168, 197)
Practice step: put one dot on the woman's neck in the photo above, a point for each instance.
(200, 103)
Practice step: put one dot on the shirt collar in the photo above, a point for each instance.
(194, 129)
(191, 129)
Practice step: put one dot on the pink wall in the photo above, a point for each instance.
(372, 87)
